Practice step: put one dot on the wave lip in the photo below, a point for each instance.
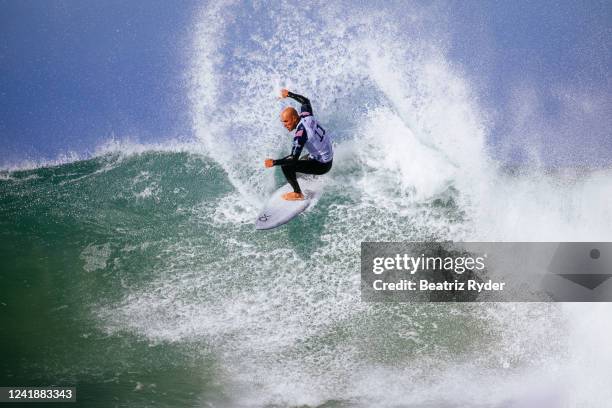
(124, 148)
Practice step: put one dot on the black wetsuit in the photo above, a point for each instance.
(292, 164)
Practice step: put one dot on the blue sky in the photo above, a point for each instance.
(553, 57)
(73, 73)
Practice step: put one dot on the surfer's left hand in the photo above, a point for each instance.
(269, 163)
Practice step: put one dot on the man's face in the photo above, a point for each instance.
(289, 121)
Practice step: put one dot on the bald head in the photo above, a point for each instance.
(290, 118)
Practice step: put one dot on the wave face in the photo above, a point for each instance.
(150, 257)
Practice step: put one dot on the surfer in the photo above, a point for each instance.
(307, 133)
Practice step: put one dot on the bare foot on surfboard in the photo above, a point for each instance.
(293, 196)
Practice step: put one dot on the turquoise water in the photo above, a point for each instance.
(75, 237)
(140, 280)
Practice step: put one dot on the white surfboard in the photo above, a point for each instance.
(278, 211)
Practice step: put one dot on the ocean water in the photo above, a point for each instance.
(136, 274)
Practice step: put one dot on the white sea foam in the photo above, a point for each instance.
(95, 256)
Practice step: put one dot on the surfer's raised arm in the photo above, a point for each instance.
(306, 108)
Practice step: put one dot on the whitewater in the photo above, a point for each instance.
(148, 253)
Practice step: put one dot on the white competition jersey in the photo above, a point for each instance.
(319, 143)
